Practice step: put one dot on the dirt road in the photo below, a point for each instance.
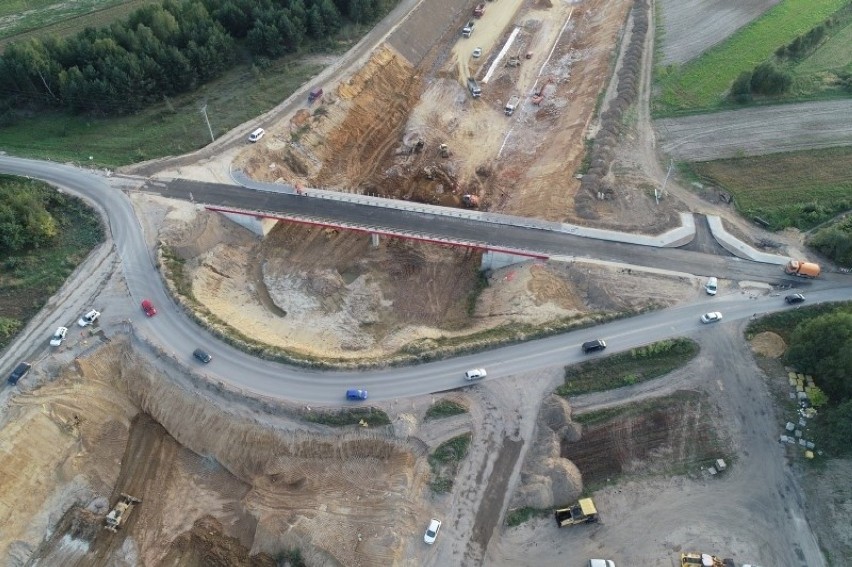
(757, 131)
(691, 27)
(755, 513)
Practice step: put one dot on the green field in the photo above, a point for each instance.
(20, 19)
(797, 189)
(703, 83)
(168, 128)
(835, 54)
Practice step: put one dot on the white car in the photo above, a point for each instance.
(432, 531)
(477, 52)
(89, 318)
(713, 317)
(601, 563)
(475, 374)
(58, 336)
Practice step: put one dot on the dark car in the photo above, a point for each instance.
(354, 394)
(202, 355)
(594, 346)
(795, 298)
(19, 372)
(148, 308)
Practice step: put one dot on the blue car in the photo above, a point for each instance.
(356, 394)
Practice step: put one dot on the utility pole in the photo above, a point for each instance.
(204, 112)
(662, 191)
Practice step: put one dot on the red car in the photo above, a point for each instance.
(148, 308)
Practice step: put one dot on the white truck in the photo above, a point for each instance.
(473, 87)
(467, 29)
(512, 105)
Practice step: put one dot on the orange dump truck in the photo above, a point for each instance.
(802, 268)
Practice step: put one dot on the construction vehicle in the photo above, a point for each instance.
(444, 150)
(314, 95)
(512, 105)
(704, 560)
(802, 268)
(583, 512)
(479, 10)
(120, 512)
(473, 87)
(538, 96)
(468, 29)
(469, 200)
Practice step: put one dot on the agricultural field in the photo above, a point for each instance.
(173, 127)
(798, 189)
(703, 83)
(20, 19)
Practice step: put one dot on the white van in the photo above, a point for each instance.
(257, 135)
(711, 286)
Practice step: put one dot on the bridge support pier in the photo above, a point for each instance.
(374, 240)
(258, 225)
(496, 260)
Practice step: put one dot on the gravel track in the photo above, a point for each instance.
(691, 27)
(757, 131)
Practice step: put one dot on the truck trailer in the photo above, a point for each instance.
(802, 268)
(473, 87)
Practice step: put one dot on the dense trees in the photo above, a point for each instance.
(835, 241)
(162, 50)
(25, 222)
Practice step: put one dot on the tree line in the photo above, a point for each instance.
(164, 50)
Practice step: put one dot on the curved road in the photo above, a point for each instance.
(175, 333)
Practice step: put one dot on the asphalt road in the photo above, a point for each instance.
(175, 333)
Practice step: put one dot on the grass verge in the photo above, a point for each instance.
(350, 416)
(628, 368)
(445, 461)
(795, 189)
(444, 408)
(29, 279)
(172, 127)
(702, 83)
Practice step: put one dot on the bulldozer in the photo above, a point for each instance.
(538, 96)
(120, 512)
(583, 512)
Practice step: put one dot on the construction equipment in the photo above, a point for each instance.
(704, 560)
(802, 268)
(583, 512)
(444, 150)
(469, 200)
(511, 105)
(479, 11)
(514, 60)
(473, 87)
(538, 96)
(120, 512)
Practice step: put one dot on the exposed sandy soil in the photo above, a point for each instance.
(691, 27)
(363, 137)
(757, 131)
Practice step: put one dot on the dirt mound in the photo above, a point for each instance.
(768, 344)
(206, 546)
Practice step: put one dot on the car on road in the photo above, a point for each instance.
(795, 298)
(19, 372)
(601, 563)
(477, 52)
(202, 355)
(712, 286)
(354, 394)
(713, 317)
(594, 346)
(89, 318)
(432, 531)
(475, 374)
(148, 308)
(58, 336)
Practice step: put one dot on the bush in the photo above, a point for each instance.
(767, 79)
(835, 242)
(444, 408)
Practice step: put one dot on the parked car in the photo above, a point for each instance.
(432, 531)
(148, 308)
(58, 336)
(89, 318)
(19, 372)
(601, 563)
(594, 346)
(354, 394)
(713, 317)
(475, 374)
(477, 53)
(712, 286)
(795, 298)
(202, 355)
(256, 135)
